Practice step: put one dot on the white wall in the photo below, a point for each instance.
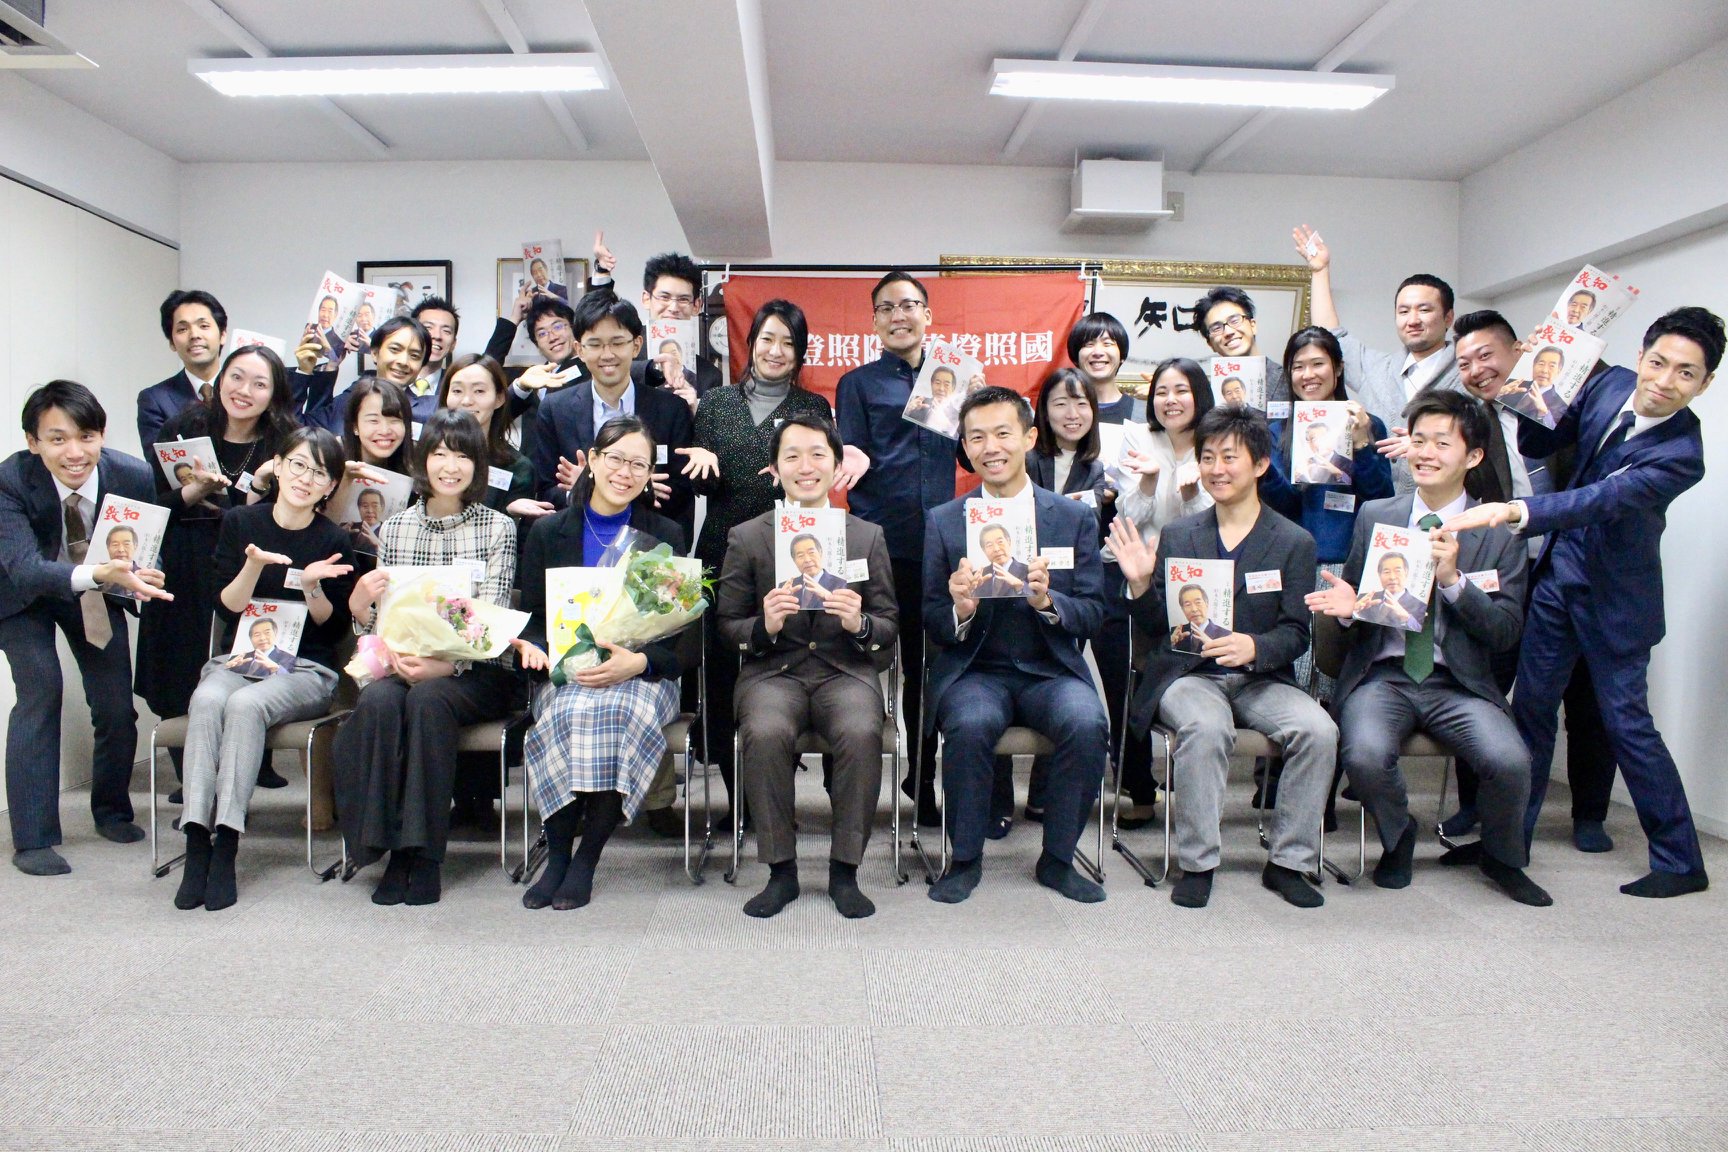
(1686, 668)
(99, 338)
(258, 235)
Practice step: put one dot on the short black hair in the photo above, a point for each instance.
(544, 306)
(192, 296)
(676, 265)
(398, 324)
(1699, 325)
(1223, 294)
(994, 394)
(816, 424)
(462, 433)
(600, 306)
(1090, 327)
(1468, 414)
(437, 304)
(70, 397)
(1424, 280)
(1066, 382)
(1197, 384)
(1246, 425)
(1485, 320)
(899, 276)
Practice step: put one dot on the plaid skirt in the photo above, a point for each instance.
(598, 740)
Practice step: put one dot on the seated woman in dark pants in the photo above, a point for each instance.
(395, 756)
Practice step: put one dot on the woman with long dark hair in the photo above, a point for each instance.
(474, 383)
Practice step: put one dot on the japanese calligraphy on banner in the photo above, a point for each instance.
(1015, 326)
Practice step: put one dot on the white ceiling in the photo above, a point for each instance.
(908, 81)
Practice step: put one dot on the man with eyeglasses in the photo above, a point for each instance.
(1227, 324)
(671, 290)
(911, 472)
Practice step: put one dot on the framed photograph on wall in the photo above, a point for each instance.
(510, 278)
(1154, 299)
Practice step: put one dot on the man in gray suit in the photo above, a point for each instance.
(805, 670)
(1244, 678)
(1440, 679)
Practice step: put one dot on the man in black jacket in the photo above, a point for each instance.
(194, 324)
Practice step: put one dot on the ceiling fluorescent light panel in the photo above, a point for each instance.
(1178, 84)
(402, 75)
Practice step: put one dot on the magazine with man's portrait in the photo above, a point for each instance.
(180, 459)
(810, 553)
(1546, 379)
(1320, 443)
(1397, 576)
(1199, 601)
(947, 376)
(366, 505)
(1238, 381)
(266, 638)
(128, 531)
(335, 305)
(1592, 300)
(1001, 541)
(672, 344)
(543, 265)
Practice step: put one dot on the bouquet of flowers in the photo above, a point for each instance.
(423, 615)
(659, 594)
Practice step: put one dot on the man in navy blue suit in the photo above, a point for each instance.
(1007, 661)
(1598, 581)
(49, 499)
(194, 324)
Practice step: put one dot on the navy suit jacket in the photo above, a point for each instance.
(1604, 530)
(1076, 594)
(32, 524)
(564, 426)
(159, 404)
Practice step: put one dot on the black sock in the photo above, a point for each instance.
(425, 881)
(222, 889)
(1397, 863)
(957, 883)
(1514, 883)
(1291, 885)
(843, 890)
(605, 813)
(560, 829)
(1662, 885)
(1193, 890)
(196, 875)
(393, 889)
(781, 890)
(1066, 879)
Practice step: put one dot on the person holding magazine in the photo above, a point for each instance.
(257, 548)
(596, 745)
(730, 463)
(808, 669)
(399, 348)
(1165, 487)
(375, 422)
(248, 420)
(1441, 679)
(1245, 678)
(395, 755)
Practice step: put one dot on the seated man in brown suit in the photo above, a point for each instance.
(808, 669)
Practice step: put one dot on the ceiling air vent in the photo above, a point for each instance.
(25, 43)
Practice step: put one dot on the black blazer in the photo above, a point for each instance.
(749, 574)
(33, 523)
(555, 541)
(1081, 478)
(1278, 621)
(564, 426)
(647, 373)
(159, 404)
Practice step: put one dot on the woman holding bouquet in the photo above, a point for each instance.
(395, 756)
(258, 546)
(596, 740)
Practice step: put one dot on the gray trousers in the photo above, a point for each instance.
(1387, 706)
(847, 713)
(225, 734)
(1205, 712)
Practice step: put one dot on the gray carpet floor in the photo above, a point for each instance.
(1440, 1017)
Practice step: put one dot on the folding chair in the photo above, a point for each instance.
(810, 743)
(1016, 741)
(311, 738)
(1329, 660)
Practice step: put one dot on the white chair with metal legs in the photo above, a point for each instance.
(1016, 741)
(809, 744)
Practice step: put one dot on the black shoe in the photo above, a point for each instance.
(929, 815)
(665, 822)
(999, 827)
(1662, 885)
(178, 796)
(1395, 865)
(1193, 890)
(1033, 815)
(120, 831)
(268, 777)
(1291, 885)
(393, 889)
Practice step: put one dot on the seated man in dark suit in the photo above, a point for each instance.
(808, 671)
(1013, 661)
(1439, 680)
(1598, 588)
(1245, 678)
(195, 325)
(1003, 575)
(1192, 636)
(608, 332)
(813, 582)
(1393, 605)
(49, 498)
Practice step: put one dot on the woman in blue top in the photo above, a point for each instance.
(1314, 365)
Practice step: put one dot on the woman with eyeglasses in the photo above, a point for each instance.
(395, 755)
(257, 550)
(247, 420)
(735, 424)
(596, 742)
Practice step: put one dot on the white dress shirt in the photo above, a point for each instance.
(82, 578)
